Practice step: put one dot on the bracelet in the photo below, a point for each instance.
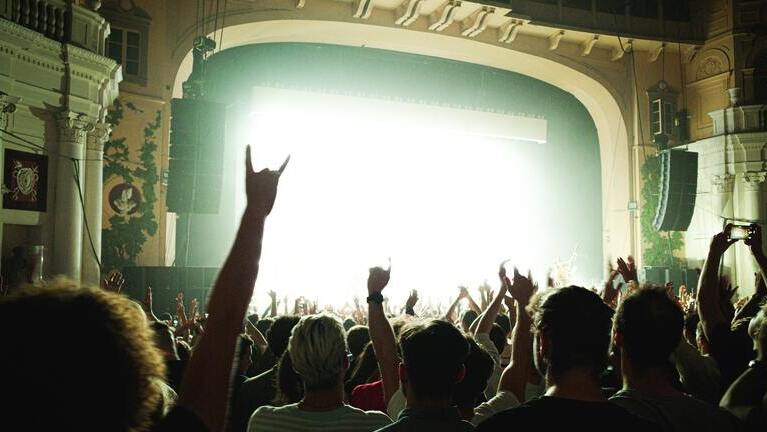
(375, 298)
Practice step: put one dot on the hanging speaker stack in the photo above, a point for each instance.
(678, 190)
(196, 156)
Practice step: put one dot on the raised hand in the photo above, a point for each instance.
(754, 239)
(147, 304)
(272, 295)
(261, 187)
(463, 292)
(627, 269)
(193, 306)
(114, 282)
(522, 288)
(378, 278)
(412, 299)
(722, 241)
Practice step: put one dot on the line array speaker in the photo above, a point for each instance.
(678, 189)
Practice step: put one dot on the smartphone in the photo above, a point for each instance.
(740, 232)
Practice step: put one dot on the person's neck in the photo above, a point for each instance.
(578, 384)
(651, 382)
(323, 399)
(413, 401)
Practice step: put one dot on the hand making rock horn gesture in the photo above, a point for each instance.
(261, 186)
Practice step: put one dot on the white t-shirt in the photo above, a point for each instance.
(484, 341)
(500, 402)
(290, 418)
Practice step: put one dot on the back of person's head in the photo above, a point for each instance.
(290, 388)
(503, 321)
(263, 325)
(164, 340)
(349, 323)
(576, 324)
(433, 354)
(357, 337)
(648, 327)
(364, 368)
(479, 367)
(317, 349)
(105, 369)
(467, 318)
(498, 337)
(279, 333)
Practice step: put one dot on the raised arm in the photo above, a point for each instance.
(258, 338)
(488, 317)
(514, 377)
(273, 304)
(381, 333)
(206, 384)
(709, 309)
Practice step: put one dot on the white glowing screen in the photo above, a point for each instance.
(370, 180)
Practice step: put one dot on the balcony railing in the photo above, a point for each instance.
(670, 20)
(48, 17)
(59, 20)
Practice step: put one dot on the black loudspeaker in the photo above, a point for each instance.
(167, 282)
(678, 188)
(196, 156)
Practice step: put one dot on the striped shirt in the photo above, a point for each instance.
(290, 418)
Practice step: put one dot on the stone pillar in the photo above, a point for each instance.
(751, 209)
(93, 191)
(722, 194)
(68, 217)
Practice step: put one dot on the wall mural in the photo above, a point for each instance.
(132, 201)
(26, 179)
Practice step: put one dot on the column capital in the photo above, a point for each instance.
(98, 136)
(722, 182)
(75, 125)
(753, 179)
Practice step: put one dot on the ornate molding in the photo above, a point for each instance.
(74, 127)
(97, 137)
(753, 179)
(722, 183)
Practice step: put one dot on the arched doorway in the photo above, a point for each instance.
(608, 108)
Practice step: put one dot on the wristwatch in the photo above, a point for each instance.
(375, 298)
(754, 364)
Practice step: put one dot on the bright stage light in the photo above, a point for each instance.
(369, 180)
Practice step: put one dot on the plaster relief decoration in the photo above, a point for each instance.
(26, 181)
(124, 199)
(710, 67)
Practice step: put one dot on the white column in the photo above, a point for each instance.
(751, 209)
(68, 225)
(93, 192)
(722, 193)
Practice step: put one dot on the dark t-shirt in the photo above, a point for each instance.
(554, 414)
(732, 349)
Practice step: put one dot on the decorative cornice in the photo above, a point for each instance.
(753, 179)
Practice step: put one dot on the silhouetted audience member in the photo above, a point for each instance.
(319, 355)
(571, 341)
(648, 327)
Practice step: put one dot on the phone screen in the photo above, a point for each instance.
(739, 233)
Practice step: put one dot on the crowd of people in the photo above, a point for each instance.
(629, 357)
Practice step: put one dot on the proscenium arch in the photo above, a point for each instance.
(603, 103)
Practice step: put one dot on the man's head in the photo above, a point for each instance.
(647, 328)
(498, 337)
(572, 330)
(105, 367)
(263, 325)
(279, 332)
(357, 337)
(467, 317)
(349, 323)
(757, 329)
(318, 351)
(433, 356)
(164, 340)
(479, 367)
(245, 353)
